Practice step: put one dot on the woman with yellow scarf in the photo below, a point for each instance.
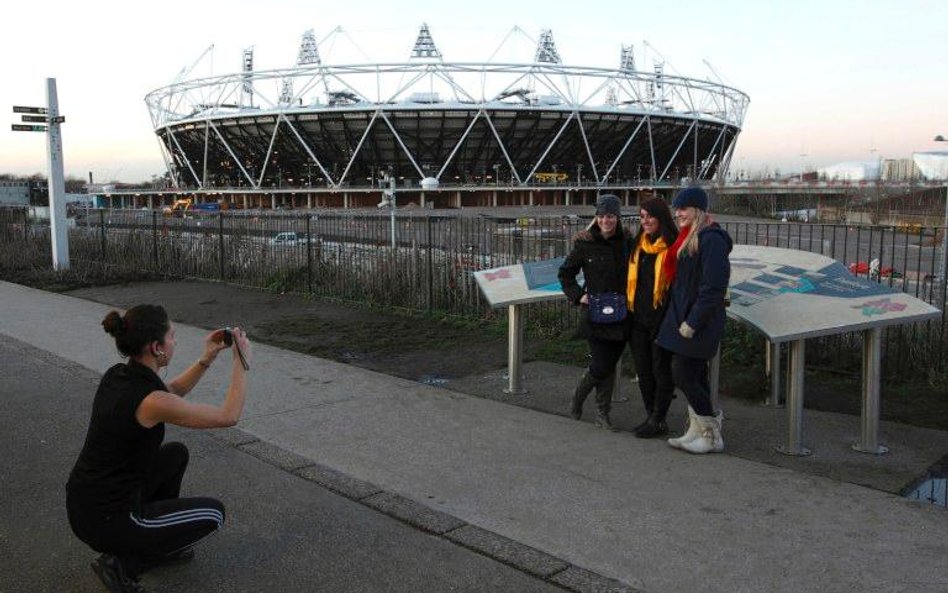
(649, 278)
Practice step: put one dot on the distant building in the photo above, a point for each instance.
(900, 170)
(851, 171)
(20, 192)
(14, 193)
(933, 165)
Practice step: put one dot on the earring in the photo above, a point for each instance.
(162, 358)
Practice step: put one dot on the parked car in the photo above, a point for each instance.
(873, 270)
(288, 239)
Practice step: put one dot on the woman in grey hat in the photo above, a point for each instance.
(694, 319)
(601, 254)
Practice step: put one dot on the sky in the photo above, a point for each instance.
(829, 81)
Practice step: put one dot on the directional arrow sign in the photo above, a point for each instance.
(40, 119)
(22, 128)
(24, 109)
(58, 119)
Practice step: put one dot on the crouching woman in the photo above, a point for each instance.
(123, 494)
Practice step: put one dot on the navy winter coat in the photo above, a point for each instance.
(604, 264)
(697, 296)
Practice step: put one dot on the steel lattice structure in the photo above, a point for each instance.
(465, 123)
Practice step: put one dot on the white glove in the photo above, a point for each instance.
(685, 330)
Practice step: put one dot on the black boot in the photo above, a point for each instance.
(604, 390)
(585, 386)
(652, 427)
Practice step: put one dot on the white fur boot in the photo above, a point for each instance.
(693, 432)
(709, 440)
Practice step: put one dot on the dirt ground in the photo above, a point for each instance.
(410, 347)
(435, 350)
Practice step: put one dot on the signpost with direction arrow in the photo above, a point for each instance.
(47, 119)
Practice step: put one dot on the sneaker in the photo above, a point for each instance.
(112, 573)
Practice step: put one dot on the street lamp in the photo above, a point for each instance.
(944, 238)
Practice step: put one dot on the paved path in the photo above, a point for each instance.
(637, 511)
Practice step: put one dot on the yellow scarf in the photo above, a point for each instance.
(661, 280)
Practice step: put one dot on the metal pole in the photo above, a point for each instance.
(514, 350)
(794, 444)
(869, 418)
(154, 240)
(57, 185)
(391, 197)
(430, 268)
(944, 253)
(220, 244)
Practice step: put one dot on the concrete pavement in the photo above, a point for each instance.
(578, 498)
(283, 533)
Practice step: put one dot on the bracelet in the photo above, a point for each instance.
(204, 364)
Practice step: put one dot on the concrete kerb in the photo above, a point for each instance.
(439, 524)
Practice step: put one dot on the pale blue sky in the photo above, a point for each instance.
(835, 80)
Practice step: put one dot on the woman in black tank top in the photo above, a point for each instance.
(123, 494)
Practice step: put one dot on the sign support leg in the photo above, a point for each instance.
(794, 444)
(773, 370)
(871, 367)
(514, 351)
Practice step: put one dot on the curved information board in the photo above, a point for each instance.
(791, 295)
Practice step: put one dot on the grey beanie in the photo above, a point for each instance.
(608, 204)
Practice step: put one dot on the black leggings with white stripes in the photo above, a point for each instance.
(164, 524)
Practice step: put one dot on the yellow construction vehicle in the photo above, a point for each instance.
(178, 208)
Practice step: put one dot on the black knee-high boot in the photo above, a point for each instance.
(586, 384)
(604, 388)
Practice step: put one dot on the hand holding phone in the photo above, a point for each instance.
(230, 340)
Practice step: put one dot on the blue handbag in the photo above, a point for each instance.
(607, 307)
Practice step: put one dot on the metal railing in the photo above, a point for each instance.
(348, 255)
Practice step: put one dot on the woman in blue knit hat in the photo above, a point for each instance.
(600, 254)
(694, 320)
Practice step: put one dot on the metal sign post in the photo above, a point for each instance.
(56, 182)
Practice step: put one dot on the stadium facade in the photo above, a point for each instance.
(327, 129)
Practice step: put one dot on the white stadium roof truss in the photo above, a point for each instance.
(442, 103)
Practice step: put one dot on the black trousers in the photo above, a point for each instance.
(162, 525)
(691, 376)
(605, 357)
(653, 364)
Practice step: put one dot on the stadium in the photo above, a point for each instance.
(443, 133)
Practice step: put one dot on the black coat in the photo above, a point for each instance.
(604, 265)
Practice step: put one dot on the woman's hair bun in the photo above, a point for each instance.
(113, 324)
